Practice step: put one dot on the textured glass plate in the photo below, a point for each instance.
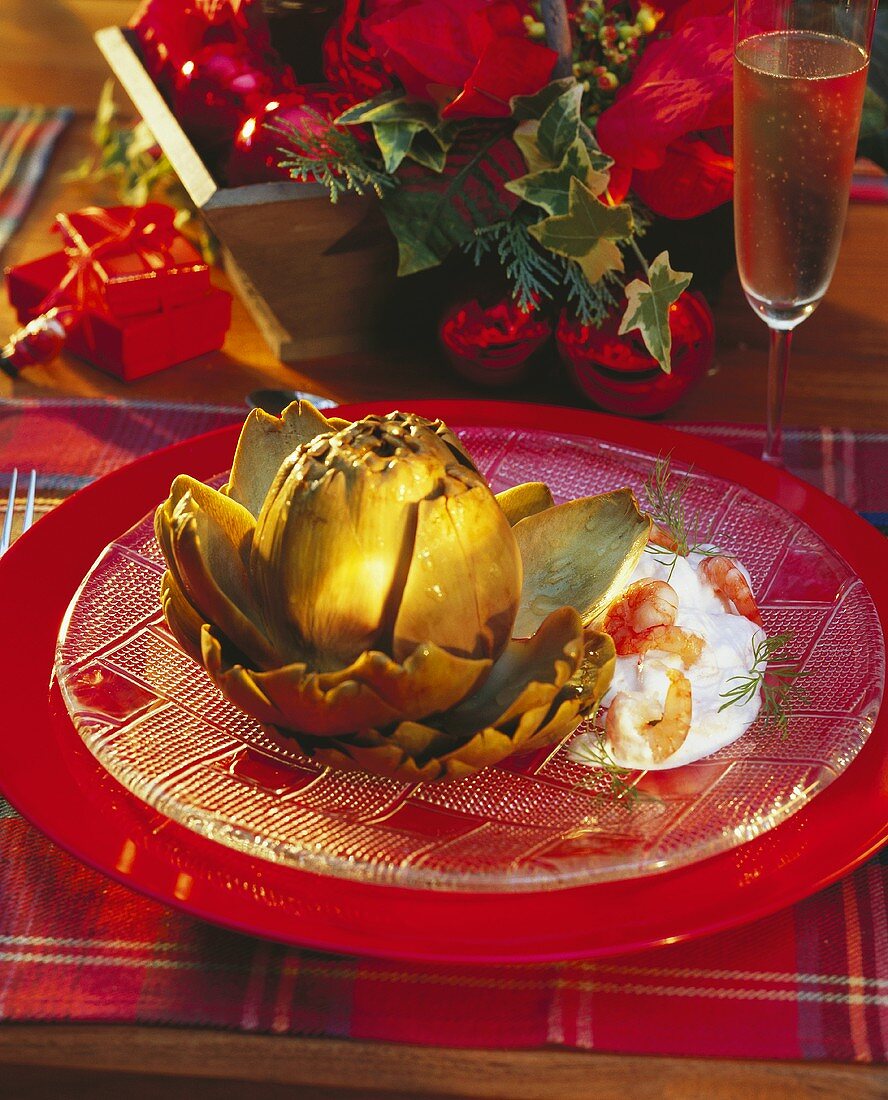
(153, 719)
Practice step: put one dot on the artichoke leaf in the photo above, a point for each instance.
(265, 441)
(527, 676)
(182, 619)
(327, 559)
(469, 607)
(429, 681)
(562, 719)
(292, 698)
(525, 500)
(580, 554)
(209, 536)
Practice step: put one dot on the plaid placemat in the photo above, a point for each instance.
(27, 138)
(809, 982)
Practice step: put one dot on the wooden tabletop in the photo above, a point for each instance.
(839, 377)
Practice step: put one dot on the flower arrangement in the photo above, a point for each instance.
(543, 134)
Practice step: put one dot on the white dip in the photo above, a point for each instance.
(727, 652)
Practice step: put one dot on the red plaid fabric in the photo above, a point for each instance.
(27, 138)
(809, 982)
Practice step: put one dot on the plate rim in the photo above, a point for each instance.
(438, 933)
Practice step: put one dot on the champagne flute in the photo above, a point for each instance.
(799, 77)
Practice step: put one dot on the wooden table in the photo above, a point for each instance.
(839, 377)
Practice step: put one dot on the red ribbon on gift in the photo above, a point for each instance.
(149, 232)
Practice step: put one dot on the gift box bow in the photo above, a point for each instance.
(127, 261)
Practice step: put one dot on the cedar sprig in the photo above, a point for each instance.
(330, 156)
(779, 677)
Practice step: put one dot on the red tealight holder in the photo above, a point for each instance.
(620, 375)
(492, 345)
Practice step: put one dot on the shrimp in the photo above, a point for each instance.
(643, 618)
(663, 728)
(731, 584)
(662, 536)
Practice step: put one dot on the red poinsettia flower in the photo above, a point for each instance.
(349, 60)
(468, 56)
(667, 124)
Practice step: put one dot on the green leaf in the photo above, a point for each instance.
(525, 137)
(402, 128)
(430, 215)
(587, 232)
(534, 106)
(394, 140)
(648, 305)
(550, 188)
(390, 108)
(560, 124)
(426, 149)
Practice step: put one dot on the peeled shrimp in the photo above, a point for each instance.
(643, 618)
(730, 583)
(661, 536)
(663, 728)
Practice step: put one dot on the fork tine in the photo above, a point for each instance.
(10, 509)
(29, 502)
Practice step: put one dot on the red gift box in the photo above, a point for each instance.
(143, 292)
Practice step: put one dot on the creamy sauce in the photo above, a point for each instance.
(727, 652)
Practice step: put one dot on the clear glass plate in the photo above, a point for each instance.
(154, 720)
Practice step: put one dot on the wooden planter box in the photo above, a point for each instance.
(314, 275)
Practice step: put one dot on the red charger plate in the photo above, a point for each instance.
(53, 780)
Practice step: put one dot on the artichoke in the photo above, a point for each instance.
(358, 587)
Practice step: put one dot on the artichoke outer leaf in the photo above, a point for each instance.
(429, 681)
(596, 670)
(580, 554)
(525, 500)
(469, 607)
(264, 442)
(292, 698)
(528, 675)
(208, 535)
(182, 619)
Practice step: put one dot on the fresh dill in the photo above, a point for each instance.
(321, 152)
(666, 503)
(779, 677)
(591, 750)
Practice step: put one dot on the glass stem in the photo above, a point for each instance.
(778, 364)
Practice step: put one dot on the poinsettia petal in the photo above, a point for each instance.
(682, 84)
(508, 67)
(692, 180)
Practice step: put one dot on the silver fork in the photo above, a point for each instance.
(27, 518)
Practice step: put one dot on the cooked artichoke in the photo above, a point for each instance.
(360, 588)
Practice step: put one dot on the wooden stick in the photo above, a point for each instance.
(554, 14)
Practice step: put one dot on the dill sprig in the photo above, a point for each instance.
(591, 750)
(330, 156)
(665, 502)
(779, 677)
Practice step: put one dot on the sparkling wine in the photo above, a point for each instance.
(797, 102)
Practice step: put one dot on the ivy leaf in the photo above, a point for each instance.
(427, 149)
(402, 127)
(647, 307)
(560, 124)
(587, 232)
(525, 137)
(535, 106)
(430, 215)
(550, 187)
